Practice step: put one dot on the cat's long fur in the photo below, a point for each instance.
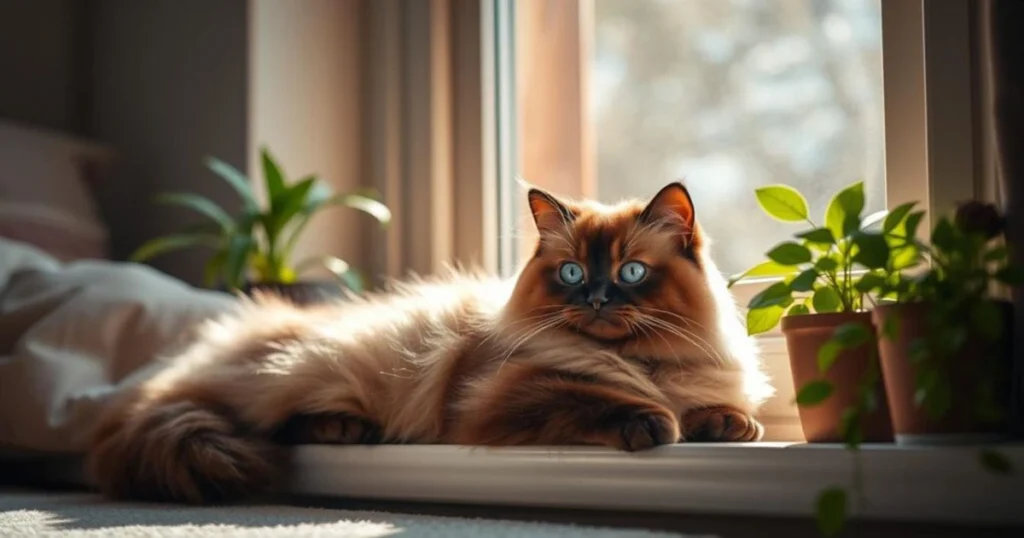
(458, 358)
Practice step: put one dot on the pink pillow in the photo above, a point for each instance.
(44, 195)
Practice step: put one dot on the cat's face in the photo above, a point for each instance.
(617, 273)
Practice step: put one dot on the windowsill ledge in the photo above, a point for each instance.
(932, 484)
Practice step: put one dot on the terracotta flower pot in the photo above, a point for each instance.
(911, 423)
(805, 335)
(304, 293)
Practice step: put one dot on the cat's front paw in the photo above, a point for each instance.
(647, 428)
(721, 424)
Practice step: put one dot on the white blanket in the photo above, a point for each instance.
(72, 334)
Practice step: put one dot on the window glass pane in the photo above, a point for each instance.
(727, 95)
(732, 94)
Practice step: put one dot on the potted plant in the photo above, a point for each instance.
(946, 344)
(821, 302)
(253, 249)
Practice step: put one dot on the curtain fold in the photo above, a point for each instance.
(1003, 21)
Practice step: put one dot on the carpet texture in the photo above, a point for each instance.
(28, 513)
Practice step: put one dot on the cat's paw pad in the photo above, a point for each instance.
(647, 429)
(721, 424)
(330, 428)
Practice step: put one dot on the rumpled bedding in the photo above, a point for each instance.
(72, 334)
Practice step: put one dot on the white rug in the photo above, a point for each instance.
(27, 513)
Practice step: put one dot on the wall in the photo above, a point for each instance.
(38, 63)
(165, 83)
(304, 105)
(169, 80)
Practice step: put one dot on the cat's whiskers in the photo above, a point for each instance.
(680, 317)
(520, 321)
(691, 323)
(646, 320)
(683, 334)
(556, 320)
(537, 321)
(642, 329)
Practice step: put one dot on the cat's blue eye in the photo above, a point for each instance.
(570, 273)
(632, 272)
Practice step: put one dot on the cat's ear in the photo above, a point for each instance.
(548, 212)
(672, 206)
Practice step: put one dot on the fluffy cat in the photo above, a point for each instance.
(618, 331)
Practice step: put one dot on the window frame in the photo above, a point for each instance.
(930, 124)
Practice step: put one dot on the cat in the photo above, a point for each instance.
(618, 331)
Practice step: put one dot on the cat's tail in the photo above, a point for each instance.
(179, 451)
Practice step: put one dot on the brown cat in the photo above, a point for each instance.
(619, 331)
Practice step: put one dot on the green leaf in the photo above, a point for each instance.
(919, 350)
(367, 205)
(826, 265)
(891, 327)
(273, 178)
(843, 212)
(869, 282)
(995, 462)
(905, 257)
(776, 294)
(897, 216)
(782, 202)
(213, 268)
(850, 428)
(768, 268)
(831, 511)
(789, 254)
(200, 205)
(826, 300)
(987, 320)
(319, 195)
(998, 253)
(168, 243)
(763, 319)
(851, 334)
(933, 393)
(869, 399)
(912, 223)
(804, 281)
(873, 250)
(827, 354)
(944, 235)
(798, 310)
(1011, 275)
(236, 179)
(814, 392)
(951, 339)
(346, 273)
(821, 236)
(289, 204)
(239, 250)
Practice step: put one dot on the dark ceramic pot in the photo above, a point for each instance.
(960, 425)
(305, 293)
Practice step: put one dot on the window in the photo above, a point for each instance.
(726, 95)
(614, 98)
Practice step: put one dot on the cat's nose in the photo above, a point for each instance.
(597, 298)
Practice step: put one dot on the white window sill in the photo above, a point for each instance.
(928, 484)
